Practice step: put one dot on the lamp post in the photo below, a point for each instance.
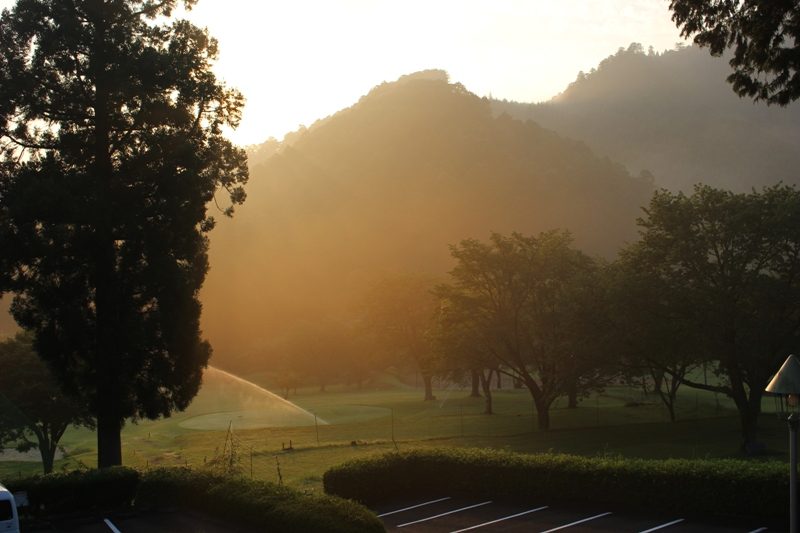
(786, 383)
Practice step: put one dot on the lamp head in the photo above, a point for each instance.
(787, 380)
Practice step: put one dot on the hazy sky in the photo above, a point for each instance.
(300, 60)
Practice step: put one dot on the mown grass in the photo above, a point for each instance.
(620, 421)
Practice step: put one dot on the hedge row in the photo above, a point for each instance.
(719, 487)
(79, 492)
(237, 501)
(264, 506)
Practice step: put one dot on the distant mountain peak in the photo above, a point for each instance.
(674, 114)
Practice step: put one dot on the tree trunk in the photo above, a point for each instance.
(486, 384)
(749, 407)
(499, 379)
(658, 381)
(476, 383)
(748, 416)
(671, 409)
(542, 414)
(109, 421)
(109, 441)
(47, 448)
(428, 379)
(749, 421)
(48, 457)
(572, 395)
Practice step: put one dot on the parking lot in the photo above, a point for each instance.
(438, 515)
(157, 522)
(455, 515)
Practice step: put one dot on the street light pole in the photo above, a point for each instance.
(794, 421)
(787, 383)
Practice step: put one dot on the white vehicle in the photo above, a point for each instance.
(9, 520)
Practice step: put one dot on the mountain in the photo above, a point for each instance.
(674, 115)
(384, 187)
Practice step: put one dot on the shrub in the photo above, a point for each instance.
(79, 491)
(253, 503)
(721, 487)
(235, 500)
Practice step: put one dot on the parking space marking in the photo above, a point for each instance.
(759, 530)
(111, 526)
(662, 526)
(445, 514)
(500, 519)
(414, 506)
(601, 515)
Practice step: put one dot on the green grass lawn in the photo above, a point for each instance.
(620, 421)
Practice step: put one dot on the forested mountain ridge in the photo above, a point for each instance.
(384, 187)
(673, 114)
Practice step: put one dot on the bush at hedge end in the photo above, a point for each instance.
(721, 487)
(258, 504)
(80, 491)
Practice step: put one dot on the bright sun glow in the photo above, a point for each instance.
(302, 60)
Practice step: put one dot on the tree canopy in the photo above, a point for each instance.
(34, 413)
(764, 36)
(111, 148)
(726, 266)
(530, 303)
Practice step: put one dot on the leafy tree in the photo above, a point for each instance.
(653, 332)
(112, 147)
(400, 311)
(457, 340)
(727, 265)
(764, 36)
(525, 300)
(33, 411)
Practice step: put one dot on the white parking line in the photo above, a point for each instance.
(111, 526)
(414, 506)
(444, 514)
(500, 519)
(662, 526)
(759, 530)
(577, 522)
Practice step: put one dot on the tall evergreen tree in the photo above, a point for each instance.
(112, 147)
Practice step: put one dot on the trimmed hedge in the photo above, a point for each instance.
(720, 487)
(79, 492)
(240, 502)
(258, 504)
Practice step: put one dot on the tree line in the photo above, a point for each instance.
(112, 148)
(713, 283)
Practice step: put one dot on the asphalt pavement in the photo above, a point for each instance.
(451, 515)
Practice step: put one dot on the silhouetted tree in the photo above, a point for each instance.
(727, 265)
(525, 302)
(33, 411)
(653, 332)
(112, 147)
(400, 311)
(462, 346)
(764, 36)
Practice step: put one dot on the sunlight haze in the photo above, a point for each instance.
(300, 61)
